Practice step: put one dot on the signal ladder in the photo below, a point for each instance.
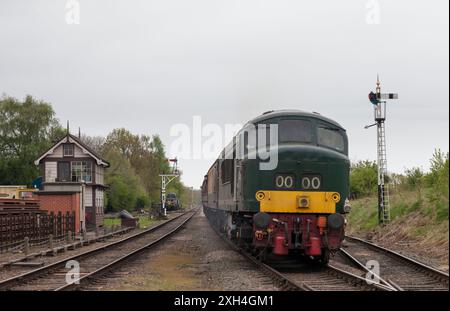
(383, 190)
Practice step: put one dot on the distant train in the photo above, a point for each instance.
(172, 202)
(293, 209)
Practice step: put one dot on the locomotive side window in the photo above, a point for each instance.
(331, 138)
(226, 168)
(299, 131)
(211, 179)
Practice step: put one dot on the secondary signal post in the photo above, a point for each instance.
(378, 100)
(165, 180)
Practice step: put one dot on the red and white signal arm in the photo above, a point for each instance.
(375, 97)
(387, 96)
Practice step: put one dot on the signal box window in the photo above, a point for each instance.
(63, 171)
(68, 150)
(82, 171)
(298, 131)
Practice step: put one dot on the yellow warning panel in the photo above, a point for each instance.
(311, 202)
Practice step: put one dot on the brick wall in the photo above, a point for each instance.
(62, 203)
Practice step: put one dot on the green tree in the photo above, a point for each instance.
(146, 156)
(136, 163)
(414, 178)
(125, 190)
(363, 178)
(438, 176)
(27, 129)
(94, 142)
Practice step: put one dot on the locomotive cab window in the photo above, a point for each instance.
(298, 131)
(330, 137)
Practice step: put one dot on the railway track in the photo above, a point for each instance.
(308, 278)
(330, 278)
(396, 270)
(94, 263)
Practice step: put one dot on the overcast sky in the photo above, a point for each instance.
(146, 65)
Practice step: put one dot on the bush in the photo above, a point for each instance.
(437, 179)
(363, 178)
(414, 178)
(142, 201)
(120, 194)
(441, 212)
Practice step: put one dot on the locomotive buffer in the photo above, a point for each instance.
(378, 100)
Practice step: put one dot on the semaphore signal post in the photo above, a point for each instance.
(165, 180)
(378, 100)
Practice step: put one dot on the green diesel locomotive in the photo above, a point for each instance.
(281, 185)
(172, 202)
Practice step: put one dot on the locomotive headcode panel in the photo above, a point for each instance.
(296, 208)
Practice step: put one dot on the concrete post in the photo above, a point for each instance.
(84, 235)
(69, 237)
(50, 241)
(26, 245)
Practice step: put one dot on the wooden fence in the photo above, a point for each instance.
(36, 225)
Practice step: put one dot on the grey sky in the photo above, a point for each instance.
(145, 65)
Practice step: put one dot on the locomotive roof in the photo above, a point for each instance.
(281, 113)
(292, 112)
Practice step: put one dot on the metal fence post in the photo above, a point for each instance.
(59, 224)
(52, 223)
